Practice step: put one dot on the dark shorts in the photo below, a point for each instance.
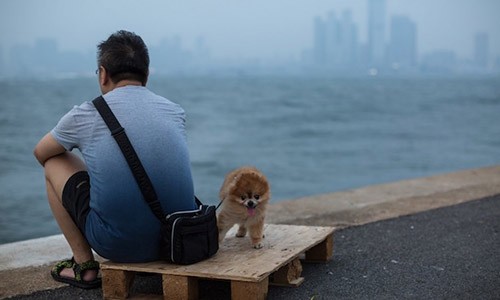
(76, 198)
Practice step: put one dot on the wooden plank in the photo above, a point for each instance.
(294, 283)
(116, 283)
(145, 297)
(237, 260)
(243, 290)
(179, 287)
(288, 275)
(322, 252)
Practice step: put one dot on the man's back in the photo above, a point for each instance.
(120, 225)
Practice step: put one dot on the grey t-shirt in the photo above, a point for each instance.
(120, 225)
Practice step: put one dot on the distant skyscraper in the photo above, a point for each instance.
(348, 40)
(335, 41)
(21, 60)
(201, 49)
(169, 56)
(403, 45)
(332, 40)
(376, 31)
(319, 52)
(481, 49)
(46, 53)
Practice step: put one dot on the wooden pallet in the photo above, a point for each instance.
(249, 270)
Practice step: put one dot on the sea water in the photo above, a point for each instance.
(308, 135)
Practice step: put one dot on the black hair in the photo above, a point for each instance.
(124, 55)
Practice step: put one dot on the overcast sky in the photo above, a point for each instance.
(239, 29)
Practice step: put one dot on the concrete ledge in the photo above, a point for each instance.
(384, 201)
(25, 266)
(35, 252)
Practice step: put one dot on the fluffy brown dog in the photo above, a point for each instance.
(244, 194)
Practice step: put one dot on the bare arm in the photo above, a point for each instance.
(46, 148)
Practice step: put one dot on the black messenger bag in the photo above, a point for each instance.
(190, 236)
(187, 237)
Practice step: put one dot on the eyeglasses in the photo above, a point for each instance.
(97, 71)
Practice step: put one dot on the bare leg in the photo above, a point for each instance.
(58, 170)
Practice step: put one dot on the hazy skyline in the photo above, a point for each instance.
(240, 29)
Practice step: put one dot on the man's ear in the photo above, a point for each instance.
(146, 80)
(103, 76)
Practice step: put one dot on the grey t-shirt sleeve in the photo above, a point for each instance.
(74, 129)
(66, 130)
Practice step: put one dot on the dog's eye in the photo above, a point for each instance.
(243, 197)
(256, 197)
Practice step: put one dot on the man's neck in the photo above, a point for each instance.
(111, 85)
(126, 82)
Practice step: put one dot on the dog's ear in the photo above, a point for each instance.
(228, 185)
(233, 184)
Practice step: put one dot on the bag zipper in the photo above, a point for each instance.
(183, 212)
(172, 241)
(173, 228)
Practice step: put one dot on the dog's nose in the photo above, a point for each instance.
(251, 204)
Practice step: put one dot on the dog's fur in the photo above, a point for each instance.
(244, 194)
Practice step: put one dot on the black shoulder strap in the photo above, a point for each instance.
(133, 160)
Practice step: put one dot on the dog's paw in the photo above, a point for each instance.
(258, 245)
(242, 231)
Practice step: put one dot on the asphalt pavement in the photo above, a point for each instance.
(446, 253)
